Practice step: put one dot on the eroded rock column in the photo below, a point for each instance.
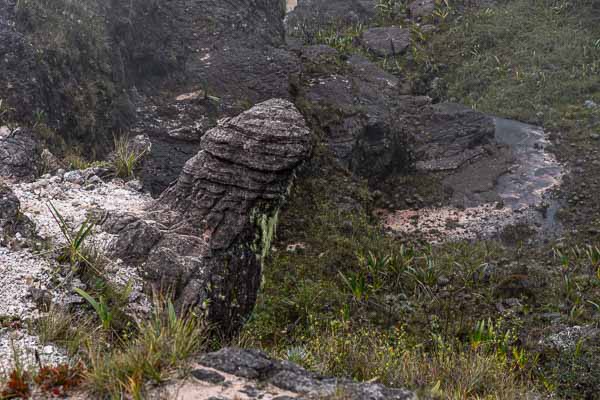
(205, 236)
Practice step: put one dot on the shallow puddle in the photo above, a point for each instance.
(525, 193)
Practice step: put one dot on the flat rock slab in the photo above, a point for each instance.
(233, 373)
(386, 42)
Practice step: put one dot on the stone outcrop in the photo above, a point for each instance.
(238, 373)
(386, 41)
(20, 154)
(205, 236)
(451, 135)
(374, 129)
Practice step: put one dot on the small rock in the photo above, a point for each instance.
(385, 42)
(595, 136)
(48, 350)
(208, 376)
(421, 8)
(590, 104)
(75, 177)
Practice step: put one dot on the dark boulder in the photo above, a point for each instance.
(350, 102)
(386, 41)
(206, 235)
(20, 154)
(450, 135)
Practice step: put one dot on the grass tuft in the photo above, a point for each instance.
(161, 345)
(126, 157)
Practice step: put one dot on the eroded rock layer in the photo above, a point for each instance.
(204, 237)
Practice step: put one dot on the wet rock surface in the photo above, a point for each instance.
(506, 180)
(243, 374)
(203, 237)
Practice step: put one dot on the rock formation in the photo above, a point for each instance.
(205, 236)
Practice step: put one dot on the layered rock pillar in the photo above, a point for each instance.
(205, 237)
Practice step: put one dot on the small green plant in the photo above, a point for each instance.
(341, 39)
(593, 255)
(297, 354)
(126, 157)
(39, 118)
(75, 161)
(424, 276)
(488, 335)
(61, 327)
(100, 306)
(73, 250)
(356, 282)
